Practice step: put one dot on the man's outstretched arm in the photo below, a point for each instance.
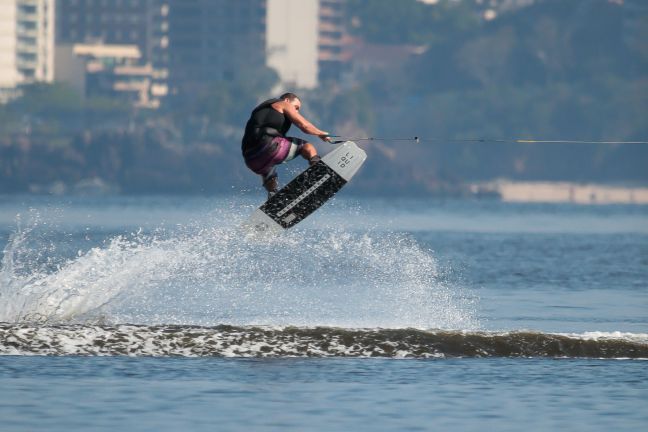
(303, 124)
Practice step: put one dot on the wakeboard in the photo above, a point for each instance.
(309, 190)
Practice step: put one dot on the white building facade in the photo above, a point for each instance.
(26, 44)
(292, 41)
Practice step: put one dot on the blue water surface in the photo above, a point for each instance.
(59, 394)
(500, 267)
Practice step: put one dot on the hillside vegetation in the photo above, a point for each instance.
(557, 70)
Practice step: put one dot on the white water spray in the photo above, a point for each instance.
(208, 275)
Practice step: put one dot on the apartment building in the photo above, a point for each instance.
(333, 57)
(26, 44)
(307, 41)
(114, 22)
(122, 45)
(292, 42)
(214, 39)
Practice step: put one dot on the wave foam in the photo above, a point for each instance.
(256, 341)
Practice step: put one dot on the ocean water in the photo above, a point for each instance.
(162, 313)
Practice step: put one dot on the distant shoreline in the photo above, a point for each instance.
(498, 190)
(562, 192)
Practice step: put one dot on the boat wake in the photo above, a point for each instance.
(255, 341)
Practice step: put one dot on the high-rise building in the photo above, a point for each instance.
(104, 34)
(181, 42)
(214, 39)
(26, 43)
(114, 22)
(307, 41)
(35, 40)
(333, 53)
(9, 76)
(292, 41)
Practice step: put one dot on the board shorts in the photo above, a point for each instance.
(275, 152)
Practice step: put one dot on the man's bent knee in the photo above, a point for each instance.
(308, 151)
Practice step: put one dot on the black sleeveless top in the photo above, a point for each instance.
(264, 124)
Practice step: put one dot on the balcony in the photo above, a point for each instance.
(22, 63)
(328, 26)
(131, 86)
(26, 48)
(134, 70)
(329, 56)
(330, 12)
(23, 31)
(27, 13)
(327, 42)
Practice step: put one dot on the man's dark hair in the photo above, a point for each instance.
(290, 96)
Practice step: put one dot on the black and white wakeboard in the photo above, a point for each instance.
(309, 190)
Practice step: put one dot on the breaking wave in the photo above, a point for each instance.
(256, 341)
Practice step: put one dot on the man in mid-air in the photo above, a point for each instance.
(265, 143)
